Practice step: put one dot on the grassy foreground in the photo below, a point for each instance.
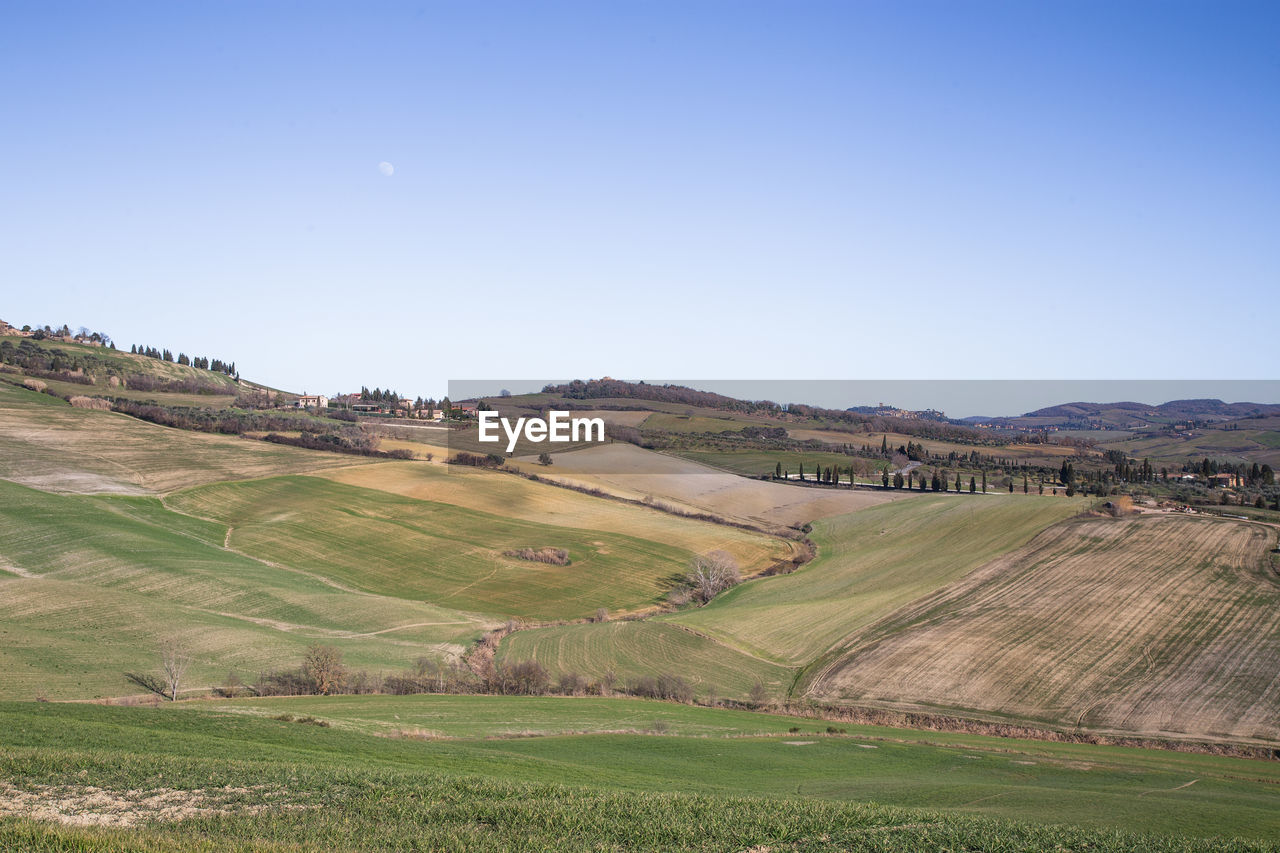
(195, 778)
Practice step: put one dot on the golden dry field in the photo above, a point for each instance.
(639, 474)
(49, 445)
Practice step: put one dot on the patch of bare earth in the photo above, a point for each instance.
(86, 805)
(638, 474)
(1153, 625)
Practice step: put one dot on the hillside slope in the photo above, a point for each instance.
(869, 563)
(47, 444)
(1158, 624)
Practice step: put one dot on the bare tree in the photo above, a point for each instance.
(175, 657)
(323, 666)
(711, 574)
(608, 682)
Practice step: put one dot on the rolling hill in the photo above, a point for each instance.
(117, 534)
(1157, 624)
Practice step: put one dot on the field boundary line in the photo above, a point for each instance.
(1167, 790)
(269, 563)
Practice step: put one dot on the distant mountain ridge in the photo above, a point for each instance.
(1127, 414)
(1173, 408)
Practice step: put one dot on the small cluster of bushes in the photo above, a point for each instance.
(54, 363)
(322, 673)
(224, 421)
(336, 443)
(554, 556)
(663, 686)
(475, 460)
(62, 376)
(307, 720)
(81, 402)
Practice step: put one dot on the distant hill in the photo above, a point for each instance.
(1127, 414)
(608, 393)
(1175, 409)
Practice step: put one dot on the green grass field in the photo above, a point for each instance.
(90, 585)
(408, 548)
(267, 784)
(448, 716)
(631, 650)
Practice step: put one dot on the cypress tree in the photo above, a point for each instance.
(973, 485)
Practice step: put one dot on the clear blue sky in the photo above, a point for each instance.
(786, 190)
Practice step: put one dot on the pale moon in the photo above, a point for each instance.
(386, 168)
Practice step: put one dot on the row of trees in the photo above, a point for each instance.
(41, 333)
(940, 481)
(1252, 474)
(322, 672)
(379, 395)
(201, 362)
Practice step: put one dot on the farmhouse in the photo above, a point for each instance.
(1225, 480)
(312, 401)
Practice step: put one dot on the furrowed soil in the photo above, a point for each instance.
(1157, 624)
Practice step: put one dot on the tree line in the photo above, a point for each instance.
(201, 362)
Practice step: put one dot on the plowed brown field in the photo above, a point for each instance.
(1156, 624)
